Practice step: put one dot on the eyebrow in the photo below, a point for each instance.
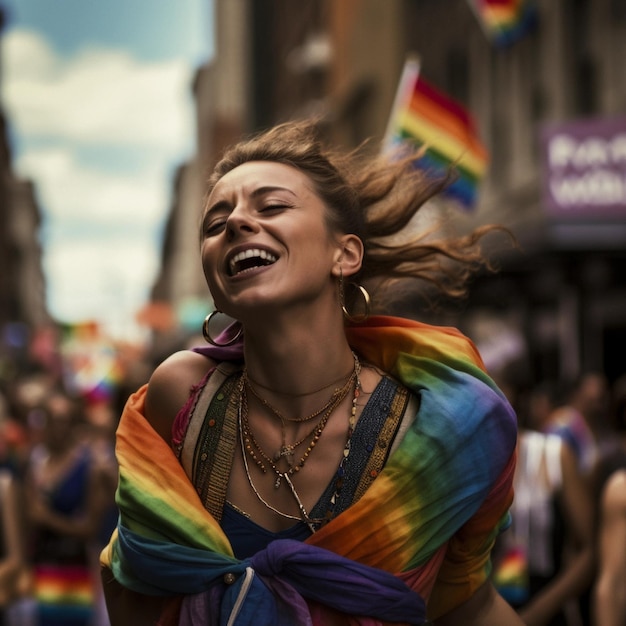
(255, 193)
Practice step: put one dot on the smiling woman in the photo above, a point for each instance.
(314, 466)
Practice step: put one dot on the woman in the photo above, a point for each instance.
(609, 590)
(66, 497)
(609, 481)
(543, 564)
(14, 577)
(552, 505)
(322, 473)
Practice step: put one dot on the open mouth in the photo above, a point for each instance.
(249, 260)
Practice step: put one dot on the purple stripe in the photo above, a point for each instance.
(340, 583)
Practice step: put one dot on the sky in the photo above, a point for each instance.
(98, 101)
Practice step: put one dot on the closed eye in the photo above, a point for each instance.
(274, 207)
(213, 226)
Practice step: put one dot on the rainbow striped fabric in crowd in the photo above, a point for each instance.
(424, 116)
(65, 594)
(505, 21)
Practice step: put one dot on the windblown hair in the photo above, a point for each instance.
(373, 197)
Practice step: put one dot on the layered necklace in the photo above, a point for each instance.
(250, 446)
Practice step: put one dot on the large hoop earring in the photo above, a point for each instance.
(354, 319)
(206, 332)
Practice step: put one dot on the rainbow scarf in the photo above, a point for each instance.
(422, 533)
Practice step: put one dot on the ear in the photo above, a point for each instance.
(349, 256)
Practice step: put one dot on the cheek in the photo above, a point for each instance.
(210, 262)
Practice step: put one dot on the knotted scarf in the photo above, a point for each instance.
(420, 536)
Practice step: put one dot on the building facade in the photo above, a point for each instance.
(562, 289)
(22, 284)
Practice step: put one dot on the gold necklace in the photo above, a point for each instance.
(287, 451)
(303, 512)
(317, 412)
(250, 444)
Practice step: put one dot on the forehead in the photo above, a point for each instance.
(247, 177)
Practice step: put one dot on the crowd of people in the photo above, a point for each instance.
(314, 463)
(563, 560)
(58, 477)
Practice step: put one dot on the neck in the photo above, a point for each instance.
(293, 358)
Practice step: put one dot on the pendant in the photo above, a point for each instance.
(287, 452)
(277, 482)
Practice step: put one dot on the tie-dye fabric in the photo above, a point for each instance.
(422, 534)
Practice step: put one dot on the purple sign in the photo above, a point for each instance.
(585, 168)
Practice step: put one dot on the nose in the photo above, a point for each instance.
(240, 221)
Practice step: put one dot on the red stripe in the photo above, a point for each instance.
(431, 93)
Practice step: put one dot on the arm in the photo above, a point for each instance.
(610, 591)
(12, 565)
(577, 572)
(485, 608)
(168, 391)
(129, 608)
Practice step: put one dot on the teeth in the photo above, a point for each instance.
(249, 254)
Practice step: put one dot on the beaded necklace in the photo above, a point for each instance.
(248, 442)
(287, 451)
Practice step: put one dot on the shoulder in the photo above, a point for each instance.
(614, 493)
(170, 385)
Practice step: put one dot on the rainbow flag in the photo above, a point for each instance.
(426, 116)
(505, 21)
(91, 363)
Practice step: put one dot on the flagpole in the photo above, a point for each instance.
(481, 20)
(409, 75)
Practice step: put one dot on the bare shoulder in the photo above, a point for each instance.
(614, 493)
(170, 385)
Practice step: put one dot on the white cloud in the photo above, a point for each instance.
(75, 191)
(99, 282)
(101, 95)
(70, 117)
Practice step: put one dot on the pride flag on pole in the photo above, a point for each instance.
(424, 116)
(505, 21)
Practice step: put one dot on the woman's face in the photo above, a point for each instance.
(265, 240)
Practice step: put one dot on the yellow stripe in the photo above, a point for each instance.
(455, 150)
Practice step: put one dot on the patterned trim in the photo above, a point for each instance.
(213, 438)
(386, 437)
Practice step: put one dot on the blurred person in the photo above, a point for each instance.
(543, 399)
(544, 561)
(584, 420)
(14, 441)
(535, 571)
(102, 421)
(24, 394)
(609, 592)
(313, 465)
(66, 497)
(14, 572)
